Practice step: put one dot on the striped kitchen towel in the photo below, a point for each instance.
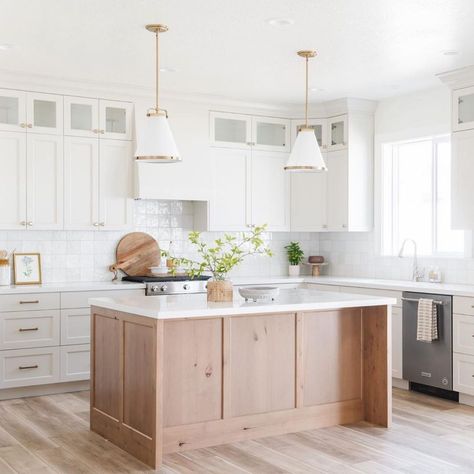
(427, 326)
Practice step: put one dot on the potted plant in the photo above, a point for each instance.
(295, 257)
(220, 257)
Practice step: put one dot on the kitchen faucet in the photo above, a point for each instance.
(417, 274)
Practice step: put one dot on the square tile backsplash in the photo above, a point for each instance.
(86, 255)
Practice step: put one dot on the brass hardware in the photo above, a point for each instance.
(95, 224)
(95, 130)
(344, 226)
(30, 223)
(306, 54)
(30, 302)
(27, 329)
(102, 224)
(23, 223)
(23, 125)
(101, 131)
(157, 29)
(156, 158)
(294, 168)
(30, 125)
(23, 367)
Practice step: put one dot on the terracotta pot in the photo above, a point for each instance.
(293, 270)
(219, 291)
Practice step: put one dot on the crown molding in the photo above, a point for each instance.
(458, 78)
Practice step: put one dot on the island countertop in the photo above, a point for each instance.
(197, 306)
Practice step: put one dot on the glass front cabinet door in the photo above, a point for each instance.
(320, 130)
(463, 109)
(12, 110)
(230, 130)
(81, 117)
(44, 113)
(337, 130)
(115, 119)
(271, 134)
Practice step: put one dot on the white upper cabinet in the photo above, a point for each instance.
(229, 208)
(81, 117)
(337, 191)
(337, 132)
(115, 119)
(463, 109)
(13, 188)
(31, 111)
(86, 117)
(308, 201)
(12, 110)
(270, 191)
(320, 130)
(271, 134)
(44, 113)
(44, 182)
(81, 183)
(231, 130)
(115, 184)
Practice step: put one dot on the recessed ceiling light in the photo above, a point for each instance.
(167, 69)
(450, 52)
(5, 46)
(280, 22)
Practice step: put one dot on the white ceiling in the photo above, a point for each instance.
(367, 48)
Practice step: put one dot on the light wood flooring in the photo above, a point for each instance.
(50, 434)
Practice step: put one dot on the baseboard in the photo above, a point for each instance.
(400, 383)
(38, 390)
(466, 399)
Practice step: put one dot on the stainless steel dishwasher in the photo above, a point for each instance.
(429, 364)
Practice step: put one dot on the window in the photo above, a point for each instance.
(416, 201)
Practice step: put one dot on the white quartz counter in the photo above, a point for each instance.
(197, 306)
(70, 286)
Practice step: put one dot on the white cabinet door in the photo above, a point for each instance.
(13, 187)
(81, 181)
(462, 179)
(230, 203)
(44, 113)
(270, 190)
(44, 182)
(397, 343)
(115, 184)
(81, 117)
(337, 133)
(75, 326)
(12, 110)
(75, 363)
(230, 130)
(308, 202)
(463, 334)
(337, 190)
(115, 119)
(463, 109)
(271, 134)
(463, 373)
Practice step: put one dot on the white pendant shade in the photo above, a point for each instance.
(306, 155)
(155, 142)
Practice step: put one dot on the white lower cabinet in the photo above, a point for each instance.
(463, 373)
(25, 367)
(75, 326)
(397, 342)
(25, 329)
(75, 362)
(463, 334)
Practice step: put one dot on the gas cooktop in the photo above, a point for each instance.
(160, 278)
(170, 285)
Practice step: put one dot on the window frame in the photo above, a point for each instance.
(388, 234)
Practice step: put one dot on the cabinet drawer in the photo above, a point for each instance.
(24, 329)
(75, 326)
(75, 362)
(463, 305)
(80, 299)
(24, 367)
(463, 373)
(29, 301)
(463, 334)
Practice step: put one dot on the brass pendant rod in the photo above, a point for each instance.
(157, 70)
(306, 97)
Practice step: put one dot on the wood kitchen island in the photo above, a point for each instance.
(173, 373)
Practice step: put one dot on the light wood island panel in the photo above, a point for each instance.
(165, 386)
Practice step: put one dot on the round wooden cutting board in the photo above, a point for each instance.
(136, 253)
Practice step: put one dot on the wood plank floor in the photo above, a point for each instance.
(51, 434)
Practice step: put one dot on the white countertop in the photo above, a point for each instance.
(70, 286)
(197, 306)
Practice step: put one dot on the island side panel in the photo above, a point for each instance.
(261, 373)
(377, 370)
(192, 371)
(332, 356)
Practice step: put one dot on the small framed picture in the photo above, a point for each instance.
(27, 268)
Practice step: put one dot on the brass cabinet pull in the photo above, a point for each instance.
(29, 302)
(30, 125)
(23, 367)
(27, 329)
(95, 130)
(23, 125)
(102, 131)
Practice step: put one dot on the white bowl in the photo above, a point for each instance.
(259, 293)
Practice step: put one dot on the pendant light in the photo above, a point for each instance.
(306, 155)
(155, 142)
